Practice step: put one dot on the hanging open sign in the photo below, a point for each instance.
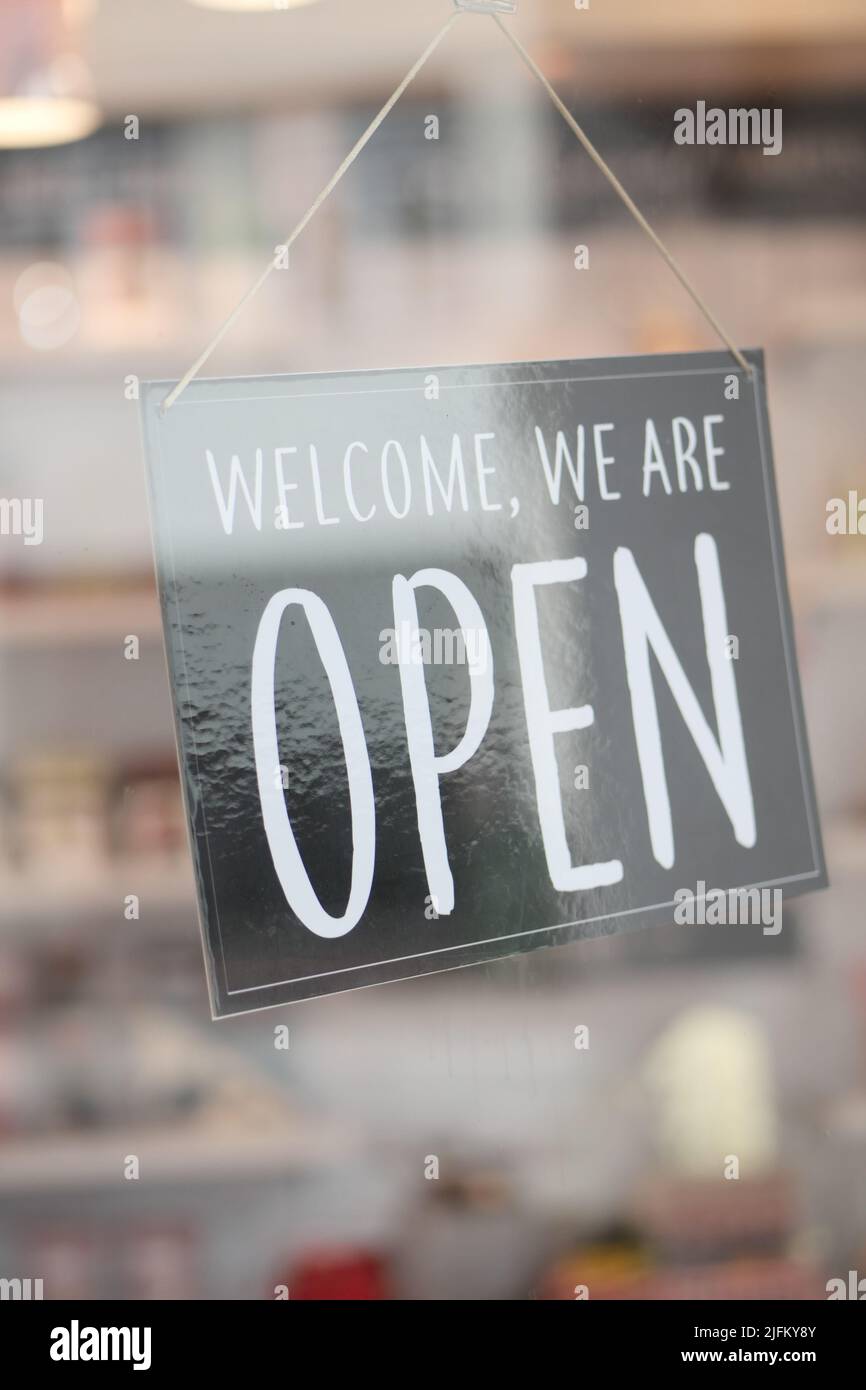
(468, 661)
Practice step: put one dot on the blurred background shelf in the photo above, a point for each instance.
(61, 619)
(57, 903)
(211, 1153)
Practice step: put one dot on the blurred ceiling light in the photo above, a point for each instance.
(45, 89)
(249, 5)
(46, 305)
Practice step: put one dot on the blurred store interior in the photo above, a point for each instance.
(195, 139)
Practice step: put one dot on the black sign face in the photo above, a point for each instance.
(472, 660)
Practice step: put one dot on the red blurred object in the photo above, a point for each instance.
(348, 1275)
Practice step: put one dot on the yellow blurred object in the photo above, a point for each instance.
(34, 121)
(46, 96)
(711, 1078)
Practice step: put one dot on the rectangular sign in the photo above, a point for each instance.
(472, 660)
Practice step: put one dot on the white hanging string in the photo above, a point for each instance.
(621, 193)
(353, 154)
(310, 213)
